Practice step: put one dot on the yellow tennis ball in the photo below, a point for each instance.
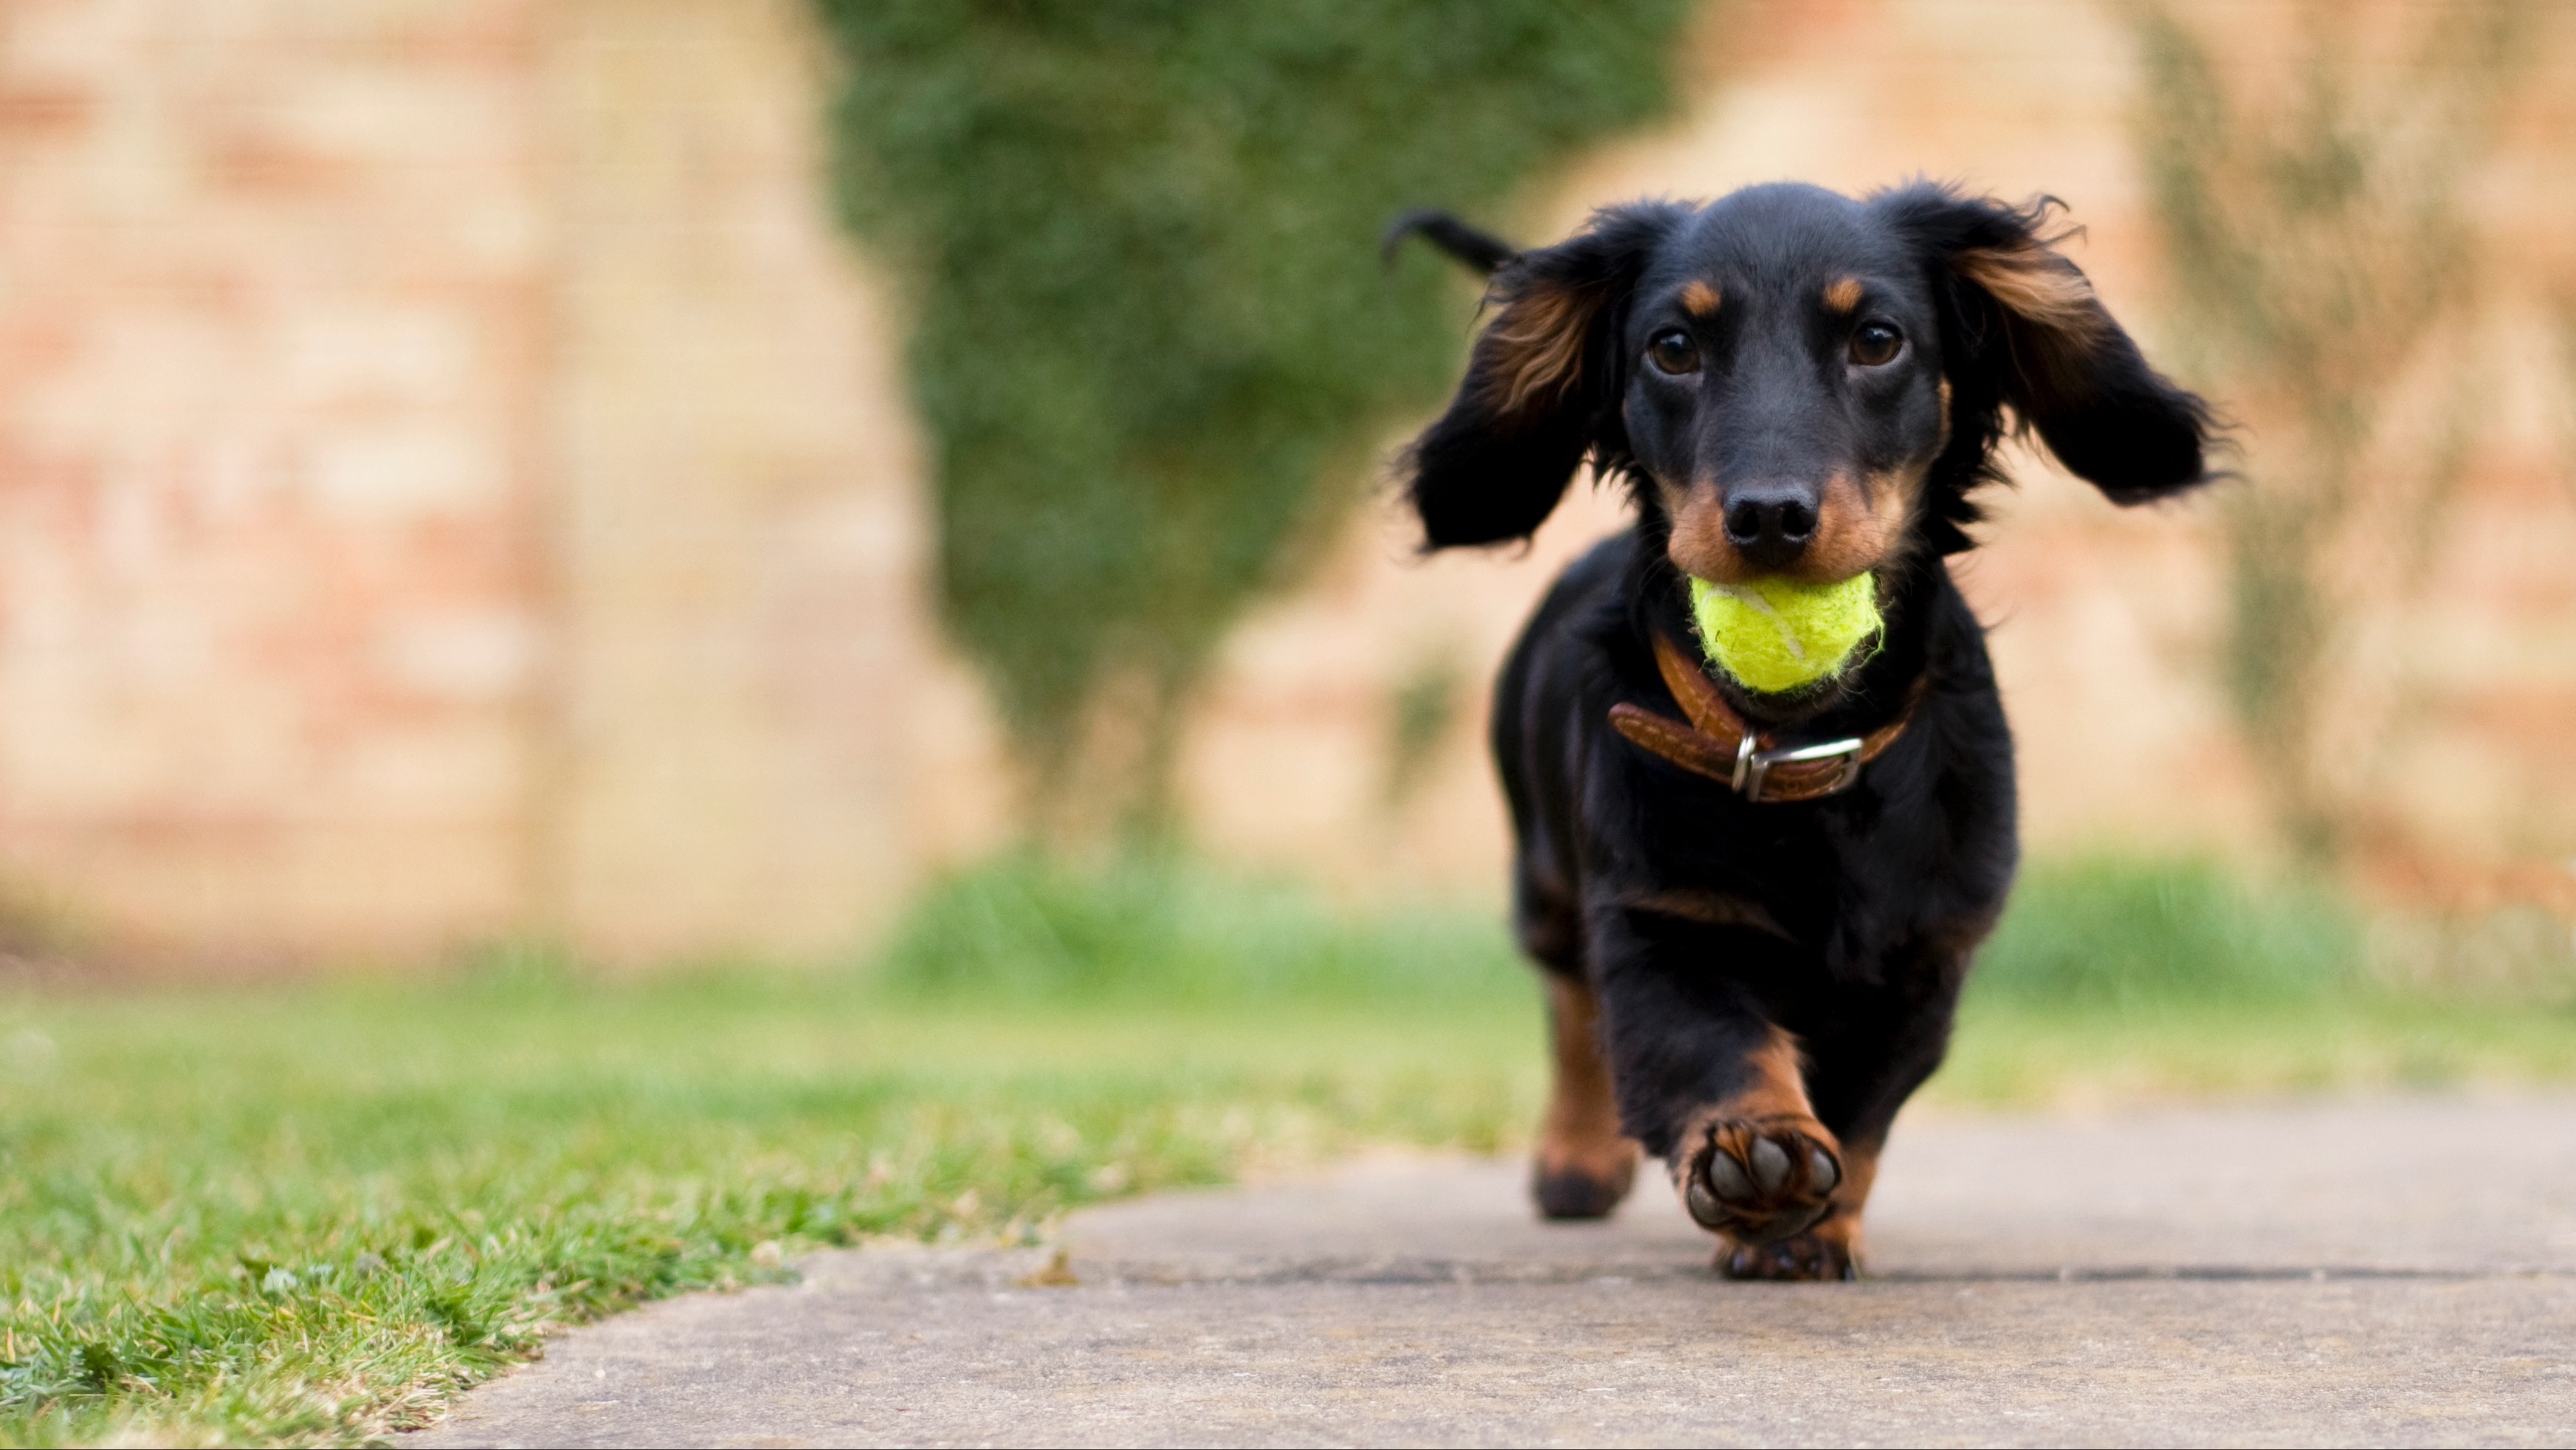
(1777, 634)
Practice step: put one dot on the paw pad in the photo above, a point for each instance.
(1761, 1182)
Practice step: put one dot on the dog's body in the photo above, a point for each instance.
(1791, 383)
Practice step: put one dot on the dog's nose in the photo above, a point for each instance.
(1770, 524)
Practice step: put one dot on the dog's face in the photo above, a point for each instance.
(1795, 382)
(1784, 400)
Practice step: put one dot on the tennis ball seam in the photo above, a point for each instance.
(1776, 635)
(1752, 598)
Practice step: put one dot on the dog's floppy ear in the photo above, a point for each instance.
(2028, 320)
(1542, 384)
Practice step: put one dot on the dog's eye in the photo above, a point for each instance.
(1876, 344)
(1674, 352)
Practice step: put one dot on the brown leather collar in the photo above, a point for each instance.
(1719, 745)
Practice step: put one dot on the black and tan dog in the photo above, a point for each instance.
(1754, 912)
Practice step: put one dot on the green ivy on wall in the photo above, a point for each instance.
(1137, 243)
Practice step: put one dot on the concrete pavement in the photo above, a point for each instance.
(2385, 1272)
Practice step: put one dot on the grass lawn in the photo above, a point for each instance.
(312, 1213)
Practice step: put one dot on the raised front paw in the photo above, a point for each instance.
(1761, 1180)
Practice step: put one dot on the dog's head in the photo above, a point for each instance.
(1794, 382)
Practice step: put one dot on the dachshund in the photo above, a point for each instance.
(1753, 912)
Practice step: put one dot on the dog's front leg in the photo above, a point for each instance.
(1758, 1168)
(1709, 1084)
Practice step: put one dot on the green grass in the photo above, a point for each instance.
(2118, 933)
(313, 1212)
(1162, 930)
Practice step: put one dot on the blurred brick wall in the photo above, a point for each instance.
(455, 482)
(752, 712)
(270, 331)
(452, 483)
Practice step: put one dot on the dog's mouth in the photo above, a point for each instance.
(1779, 636)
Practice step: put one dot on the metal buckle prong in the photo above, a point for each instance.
(1753, 767)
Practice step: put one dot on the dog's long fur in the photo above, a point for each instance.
(1759, 986)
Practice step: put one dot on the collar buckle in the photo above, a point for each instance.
(1753, 764)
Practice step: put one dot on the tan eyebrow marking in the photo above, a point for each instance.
(1700, 299)
(1843, 294)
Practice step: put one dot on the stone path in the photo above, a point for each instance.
(2396, 1272)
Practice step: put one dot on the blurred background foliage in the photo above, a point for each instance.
(2113, 932)
(2120, 931)
(1152, 339)
(2328, 270)
(1169, 927)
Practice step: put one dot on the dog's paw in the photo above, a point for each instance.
(1761, 1181)
(1806, 1257)
(1581, 1190)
